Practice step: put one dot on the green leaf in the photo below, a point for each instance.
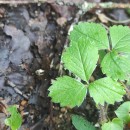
(116, 124)
(102, 54)
(67, 91)
(106, 90)
(81, 124)
(81, 58)
(95, 33)
(116, 65)
(123, 112)
(15, 120)
(120, 38)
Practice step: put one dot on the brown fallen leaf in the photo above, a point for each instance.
(23, 103)
(2, 12)
(3, 106)
(102, 18)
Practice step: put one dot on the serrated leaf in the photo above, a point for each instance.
(67, 91)
(81, 58)
(15, 120)
(81, 124)
(120, 38)
(116, 124)
(123, 112)
(106, 90)
(102, 53)
(116, 65)
(95, 33)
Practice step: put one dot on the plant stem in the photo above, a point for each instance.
(103, 113)
(127, 90)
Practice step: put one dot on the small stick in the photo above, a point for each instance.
(112, 20)
(11, 84)
(86, 6)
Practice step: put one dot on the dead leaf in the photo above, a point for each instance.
(3, 106)
(102, 18)
(19, 40)
(19, 45)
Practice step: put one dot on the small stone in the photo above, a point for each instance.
(63, 110)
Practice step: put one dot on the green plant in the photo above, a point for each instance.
(123, 114)
(87, 41)
(123, 118)
(81, 124)
(15, 119)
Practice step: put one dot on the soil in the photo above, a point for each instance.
(32, 38)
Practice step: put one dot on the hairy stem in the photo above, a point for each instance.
(127, 90)
(103, 113)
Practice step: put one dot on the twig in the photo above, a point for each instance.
(112, 20)
(11, 84)
(86, 6)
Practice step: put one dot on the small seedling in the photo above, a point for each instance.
(82, 57)
(15, 119)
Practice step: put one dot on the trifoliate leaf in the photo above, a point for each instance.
(95, 33)
(81, 58)
(106, 90)
(123, 112)
(67, 91)
(81, 124)
(116, 65)
(116, 124)
(15, 120)
(120, 38)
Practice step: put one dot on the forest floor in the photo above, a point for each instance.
(32, 38)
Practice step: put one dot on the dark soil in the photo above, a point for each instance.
(32, 39)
